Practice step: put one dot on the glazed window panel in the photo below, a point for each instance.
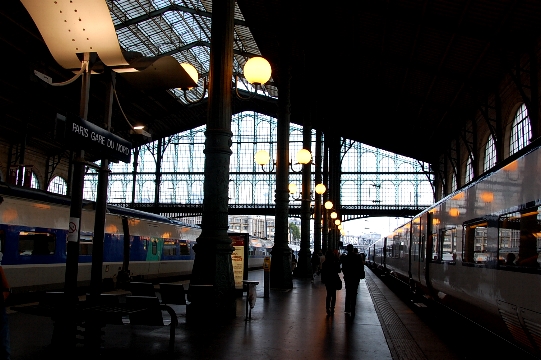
(184, 248)
(85, 243)
(435, 247)
(490, 154)
(521, 131)
(519, 242)
(36, 243)
(448, 245)
(169, 248)
(475, 243)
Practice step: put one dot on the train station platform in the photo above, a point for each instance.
(286, 325)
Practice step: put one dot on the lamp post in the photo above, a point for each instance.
(304, 158)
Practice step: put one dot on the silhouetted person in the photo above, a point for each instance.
(510, 261)
(330, 268)
(352, 267)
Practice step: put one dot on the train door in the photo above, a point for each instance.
(431, 243)
(416, 251)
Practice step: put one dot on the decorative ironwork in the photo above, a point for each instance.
(374, 182)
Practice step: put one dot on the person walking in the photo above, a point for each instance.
(353, 268)
(330, 268)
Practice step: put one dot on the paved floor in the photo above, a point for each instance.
(286, 325)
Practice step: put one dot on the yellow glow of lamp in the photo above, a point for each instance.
(320, 189)
(334, 215)
(292, 188)
(342, 232)
(337, 222)
(487, 196)
(340, 227)
(454, 212)
(304, 156)
(328, 205)
(262, 157)
(192, 72)
(257, 70)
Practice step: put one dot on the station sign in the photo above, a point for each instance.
(84, 135)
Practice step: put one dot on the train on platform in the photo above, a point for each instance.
(34, 233)
(477, 252)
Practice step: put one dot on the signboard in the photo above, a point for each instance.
(239, 258)
(84, 135)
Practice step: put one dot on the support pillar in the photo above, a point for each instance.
(101, 200)
(325, 235)
(317, 197)
(281, 276)
(304, 266)
(212, 265)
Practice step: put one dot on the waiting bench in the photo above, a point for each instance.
(140, 310)
(151, 314)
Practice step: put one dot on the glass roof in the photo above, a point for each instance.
(181, 28)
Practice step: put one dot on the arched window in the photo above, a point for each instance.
(469, 170)
(58, 186)
(521, 131)
(453, 183)
(490, 154)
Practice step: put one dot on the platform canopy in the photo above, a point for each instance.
(403, 75)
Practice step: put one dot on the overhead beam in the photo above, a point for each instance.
(173, 7)
(207, 44)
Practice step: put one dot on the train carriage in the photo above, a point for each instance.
(477, 251)
(34, 229)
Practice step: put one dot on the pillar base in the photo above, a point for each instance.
(206, 308)
(281, 276)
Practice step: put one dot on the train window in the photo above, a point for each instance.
(169, 248)
(479, 243)
(435, 247)
(184, 248)
(447, 245)
(85, 244)
(36, 243)
(519, 242)
(415, 242)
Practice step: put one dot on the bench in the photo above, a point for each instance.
(170, 293)
(139, 288)
(173, 294)
(151, 315)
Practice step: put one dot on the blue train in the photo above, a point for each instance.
(34, 229)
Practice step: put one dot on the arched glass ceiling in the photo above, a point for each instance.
(180, 28)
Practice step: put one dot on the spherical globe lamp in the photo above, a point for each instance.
(337, 222)
(304, 156)
(320, 189)
(292, 188)
(328, 205)
(257, 70)
(262, 157)
(334, 215)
